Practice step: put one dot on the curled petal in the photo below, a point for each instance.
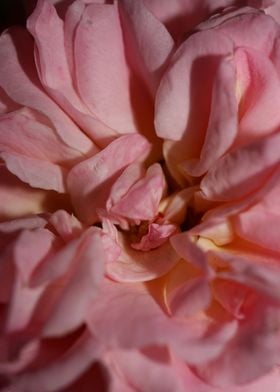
(142, 200)
(90, 182)
(242, 171)
(66, 369)
(138, 266)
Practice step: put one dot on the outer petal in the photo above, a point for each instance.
(145, 324)
(150, 37)
(242, 171)
(33, 151)
(184, 96)
(251, 354)
(182, 16)
(259, 271)
(35, 172)
(188, 299)
(147, 370)
(258, 112)
(63, 371)
(98, 44)
(83, 277)
(261, 30)
(269, 382)
(222, 125)
(260, 223)
(18, 79)
(55, 68)
(26, 132)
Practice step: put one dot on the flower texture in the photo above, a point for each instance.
(139, 189)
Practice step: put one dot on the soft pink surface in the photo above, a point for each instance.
(139, 197)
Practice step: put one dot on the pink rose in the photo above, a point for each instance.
(139, 191)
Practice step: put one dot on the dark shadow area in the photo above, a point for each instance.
(12, 12)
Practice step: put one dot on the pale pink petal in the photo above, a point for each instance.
(181, 16)
(260, 223)
(30, 249)
(66, 225)
(19, 80)
(138, 266)
(184, 96)
(242, 171)
(222, 125)
(274, 10)
(142, 200)
(189, 251)
(145, 324)
(269, 382)
(189, 298)
(25, 132)
(216, 215)
(66, 369)
(90, 182)
(262, 95)
(156, 236)
(35, 172)
(232, 296)
(124, 182)
(55, 70)
(220, 231)
(6, 103)
(261, 30)
(99, 57)
(45, 23)
(22, 304)
(149, 38)
(259, 271)
(15, 225)
(77, 292)
(147, 370)
(251, 354)
(57, 265)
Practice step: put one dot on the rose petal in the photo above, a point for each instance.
(145, 324)
(138, 266)
(64, 370)
(183, 99)
(153, 42)
(18, 78)
(251, 354)
(106, 96)
(142, 200)
(35, 172)
(250, 165)
(85, 278)
(90, 182)
(222, 125)
(146, 370)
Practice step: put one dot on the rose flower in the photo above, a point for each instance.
(139, 232)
